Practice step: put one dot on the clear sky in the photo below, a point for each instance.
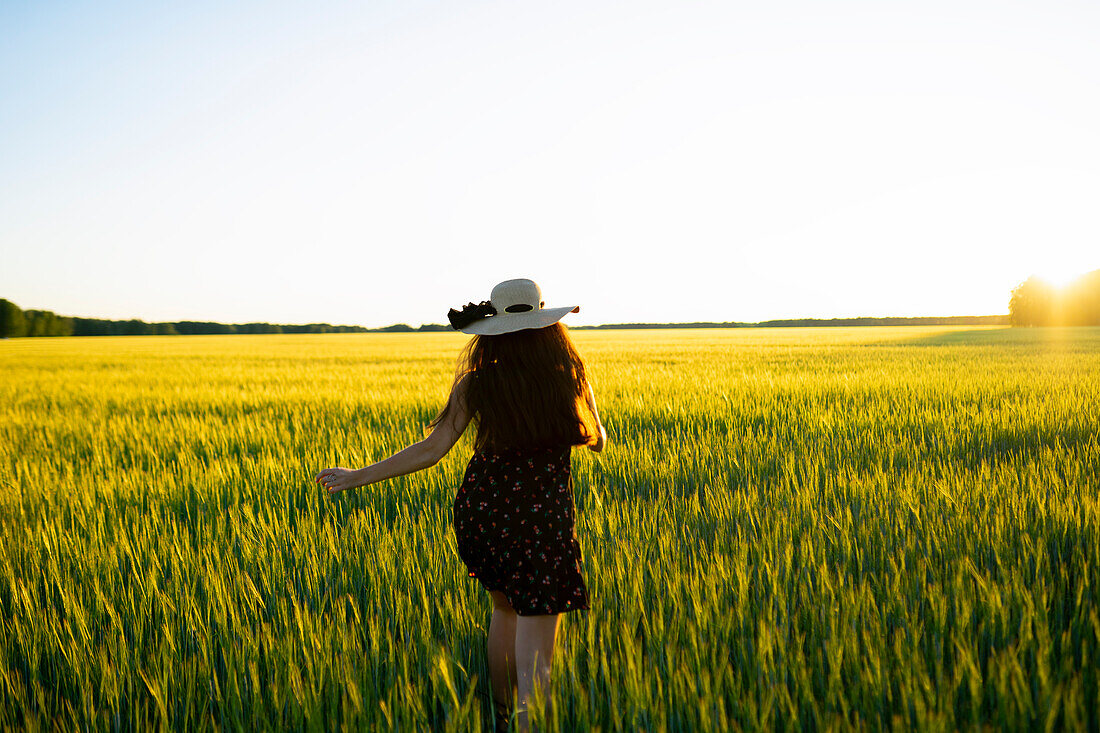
(380, 162)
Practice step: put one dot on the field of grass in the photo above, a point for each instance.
(812, 529)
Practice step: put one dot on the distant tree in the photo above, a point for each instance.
(47, 323)
(204, 327)
(135, 327)
(36, 322)
(165, 329)
(1037, 303)
(88, 327)
(12, 322)
(259, 328)
(61, 326)
(1033, 303)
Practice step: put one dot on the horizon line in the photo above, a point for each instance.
(401, 326)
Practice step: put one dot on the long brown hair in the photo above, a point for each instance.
(527, 390)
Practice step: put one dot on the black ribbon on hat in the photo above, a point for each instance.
(470, 313)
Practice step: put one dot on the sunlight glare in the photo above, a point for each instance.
(1060, 275)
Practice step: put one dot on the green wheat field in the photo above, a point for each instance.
(809, 529)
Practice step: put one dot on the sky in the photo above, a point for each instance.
(378, 163)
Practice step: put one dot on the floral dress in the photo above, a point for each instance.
(513, 522)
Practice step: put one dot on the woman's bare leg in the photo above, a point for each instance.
(535, 636)
(502, 651)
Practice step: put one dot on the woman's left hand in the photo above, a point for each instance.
(336, 479)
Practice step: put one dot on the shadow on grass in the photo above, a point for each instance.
(972, 337)
(1024, 446)
(1008, 336)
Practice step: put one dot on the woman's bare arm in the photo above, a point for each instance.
(601, 438)
(418, 456)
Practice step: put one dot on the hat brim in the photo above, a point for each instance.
(509, 322)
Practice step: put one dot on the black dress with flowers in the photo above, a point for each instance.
(513, 521)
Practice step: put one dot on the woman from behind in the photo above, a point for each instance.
(524, 385)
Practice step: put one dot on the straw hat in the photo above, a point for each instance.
(515, 305)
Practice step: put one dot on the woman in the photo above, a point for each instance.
(522, 381)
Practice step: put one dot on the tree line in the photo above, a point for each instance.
(1036, 302)
(819, 322)
(16, 322)
(1033, 303)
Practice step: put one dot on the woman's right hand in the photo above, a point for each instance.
(338, 479)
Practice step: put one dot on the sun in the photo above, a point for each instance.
(1059, 275)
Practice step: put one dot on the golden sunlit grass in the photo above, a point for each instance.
(815, 528)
